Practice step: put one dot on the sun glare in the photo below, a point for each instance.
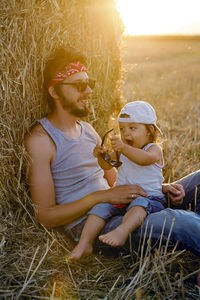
(148, 17)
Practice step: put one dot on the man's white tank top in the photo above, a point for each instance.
(75, 170)
(149, 177)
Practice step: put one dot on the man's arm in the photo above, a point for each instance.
(42, 151)
(110, 176)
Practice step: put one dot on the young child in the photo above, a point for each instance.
(142, 163)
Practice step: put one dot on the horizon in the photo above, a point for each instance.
(175, 35)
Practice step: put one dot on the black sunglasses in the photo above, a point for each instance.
(81, 85)
(106, 156)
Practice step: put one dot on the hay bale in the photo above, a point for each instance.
(30, 31)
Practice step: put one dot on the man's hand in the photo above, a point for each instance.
(175, 191)
(122, 194)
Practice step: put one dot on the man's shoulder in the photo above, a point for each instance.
(91, 129)
(36, 132)
(88, 125)
(39, 145)
(37, 135)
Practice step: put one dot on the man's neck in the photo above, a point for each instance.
(65, 122)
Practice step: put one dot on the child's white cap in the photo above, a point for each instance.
(139, 112)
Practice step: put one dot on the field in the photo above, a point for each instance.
(166, 72)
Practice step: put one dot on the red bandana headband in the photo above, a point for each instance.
(70, 69)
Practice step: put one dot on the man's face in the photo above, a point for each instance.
(72, 98)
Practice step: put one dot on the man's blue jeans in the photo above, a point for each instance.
(183, 226)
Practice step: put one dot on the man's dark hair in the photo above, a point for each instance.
(56, 62)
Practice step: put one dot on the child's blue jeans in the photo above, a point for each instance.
(151, 205)
(183, 226)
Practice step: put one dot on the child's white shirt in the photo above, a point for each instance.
(149, 177)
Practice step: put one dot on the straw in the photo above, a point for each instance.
(32, 260)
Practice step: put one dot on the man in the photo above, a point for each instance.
(65, 179)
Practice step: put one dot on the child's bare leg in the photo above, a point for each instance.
(93, 226)
(132, 219)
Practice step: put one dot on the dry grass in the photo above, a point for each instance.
(34, 267)
(165, 72)
(32, 260)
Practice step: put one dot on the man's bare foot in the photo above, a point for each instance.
(80, 251)
(116, 237)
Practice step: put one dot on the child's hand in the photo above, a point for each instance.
(98, 150)
(117, 143)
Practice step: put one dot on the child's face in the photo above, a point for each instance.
(134, 134)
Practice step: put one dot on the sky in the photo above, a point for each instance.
(149, 17)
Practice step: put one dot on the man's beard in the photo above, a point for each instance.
(79, 112)
(74, 109)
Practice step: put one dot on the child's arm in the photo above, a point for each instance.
(138, 156)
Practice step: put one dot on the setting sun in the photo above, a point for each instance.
(148, 17)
